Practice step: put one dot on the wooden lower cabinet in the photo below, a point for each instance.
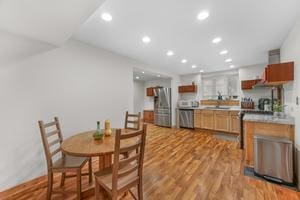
(207, 119)
(148, 116)
(219, 120)
(197, 118)
(266, 129)
(150, 92)
(222, 121)
(234, 123)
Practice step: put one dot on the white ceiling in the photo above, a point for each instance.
(144, 75)
(29, 27)
(249, 28)
(50, 21)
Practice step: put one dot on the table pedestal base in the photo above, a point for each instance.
(104, 162)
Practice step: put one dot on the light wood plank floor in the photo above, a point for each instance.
(180, 164)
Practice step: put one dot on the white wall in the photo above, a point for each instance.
(139, 93)
(78, 83)
(250, 73)
(290, 51)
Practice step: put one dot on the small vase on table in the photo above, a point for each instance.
(98, 135)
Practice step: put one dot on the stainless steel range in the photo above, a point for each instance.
(162, 107)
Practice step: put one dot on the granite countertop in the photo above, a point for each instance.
(288, 120)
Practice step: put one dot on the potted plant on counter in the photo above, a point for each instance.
(278, 109)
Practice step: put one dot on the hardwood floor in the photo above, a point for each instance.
(180, 164)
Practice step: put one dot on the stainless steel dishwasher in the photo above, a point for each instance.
(273, 158)
(186, 118)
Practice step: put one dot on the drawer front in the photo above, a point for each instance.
(222, 112)
(207, 111)
(197, 111)
(235, 113)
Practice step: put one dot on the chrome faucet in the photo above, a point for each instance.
(219, 95)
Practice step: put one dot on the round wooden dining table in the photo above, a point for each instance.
(84, 144)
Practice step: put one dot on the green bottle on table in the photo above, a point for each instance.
(98, 134)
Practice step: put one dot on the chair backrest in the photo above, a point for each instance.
(134, 120)
(52, 139)
(132, 165)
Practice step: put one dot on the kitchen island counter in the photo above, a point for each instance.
(288, 120)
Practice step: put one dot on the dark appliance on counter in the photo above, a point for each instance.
(241, 116)
(162, 107)
(273, 158)
(186, 118)
(262, 102)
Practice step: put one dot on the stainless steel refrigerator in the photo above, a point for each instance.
(162, 107)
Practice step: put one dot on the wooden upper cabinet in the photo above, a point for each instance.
(150, 92)
(187, 89)
(248, 84)
(277, 74)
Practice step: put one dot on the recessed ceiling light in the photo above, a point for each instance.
(201, 71)
(203, 15)
(137, 77)
(158, 75)
(183, 61)
(106, 17)
(170, 53)
(216, 40)
(228, 60)
(231, 66)
(223, 52)
(143, 72)
(194, 66)
(146, 39)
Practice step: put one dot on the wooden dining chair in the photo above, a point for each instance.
(57, 161)
(124, 173)
(132, 121)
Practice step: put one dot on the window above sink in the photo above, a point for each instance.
(226, 84)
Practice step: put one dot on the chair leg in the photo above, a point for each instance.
(79, 184)
(50, 185)
(140, 191)
(90, 171)
(63, 178)
(99, 191)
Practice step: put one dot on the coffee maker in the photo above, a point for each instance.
(264, 104)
